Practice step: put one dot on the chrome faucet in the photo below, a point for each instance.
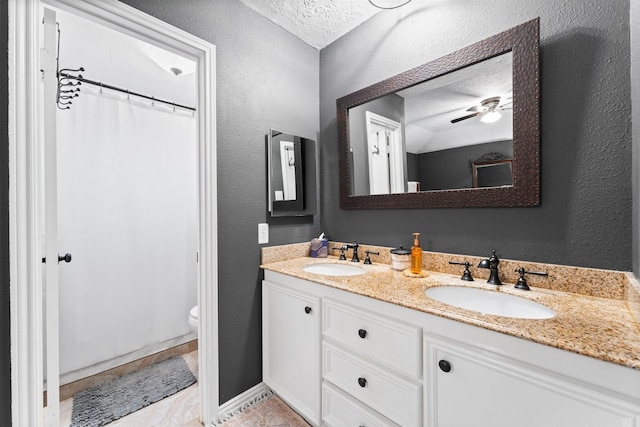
(492, 264)
(355, 247)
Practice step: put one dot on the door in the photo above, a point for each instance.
(288, 166)
(470, 387)
(385, 154)
(26, 178)
(52, 362)
(378, 160)
(291, 347)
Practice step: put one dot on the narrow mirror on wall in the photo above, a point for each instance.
(291, 169)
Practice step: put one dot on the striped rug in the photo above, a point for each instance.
(268, 412)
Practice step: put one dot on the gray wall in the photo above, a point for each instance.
(448, 169)
(585, 216)
(266, 78)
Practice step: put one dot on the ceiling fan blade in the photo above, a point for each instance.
(459, 119)
(475, 108)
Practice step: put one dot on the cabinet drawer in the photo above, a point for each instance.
(394, 397)
(339, 409)
(395, 344)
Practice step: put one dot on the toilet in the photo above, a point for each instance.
(193, 319)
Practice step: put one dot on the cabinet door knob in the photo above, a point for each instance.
(307, 310)
(362, 333)
(445, 366)
(362, 382)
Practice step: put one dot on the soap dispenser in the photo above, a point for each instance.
(416, 255)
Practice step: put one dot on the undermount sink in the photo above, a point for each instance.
(490, 302)
(334, 269)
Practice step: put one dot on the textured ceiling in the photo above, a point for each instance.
(317, 22)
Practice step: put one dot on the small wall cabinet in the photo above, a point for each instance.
(357, 361)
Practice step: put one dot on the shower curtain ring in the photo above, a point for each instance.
(128, 99)
(100, 88)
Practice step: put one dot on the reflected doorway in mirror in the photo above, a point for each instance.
(288, 160)
(385, 155)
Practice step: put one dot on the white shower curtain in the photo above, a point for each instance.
(128, 215)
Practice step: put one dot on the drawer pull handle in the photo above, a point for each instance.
(362, 333)
(307, 310)
(362, 382)
(445, 366)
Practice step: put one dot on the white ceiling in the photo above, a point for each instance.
(430, 107)
(316, 22)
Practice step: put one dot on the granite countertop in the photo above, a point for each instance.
(597, 327)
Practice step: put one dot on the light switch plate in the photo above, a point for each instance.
(263, 233)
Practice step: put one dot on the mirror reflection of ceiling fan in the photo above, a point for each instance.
(488, 110)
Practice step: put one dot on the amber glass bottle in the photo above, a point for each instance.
(416, 255)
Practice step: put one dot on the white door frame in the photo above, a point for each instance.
(395, 150)
(25, 145)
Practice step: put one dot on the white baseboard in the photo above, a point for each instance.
(243, 401)
(69, 377)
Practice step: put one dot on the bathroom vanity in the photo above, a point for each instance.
(373, 350)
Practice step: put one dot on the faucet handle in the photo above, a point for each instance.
(341, 249)
(466, 276)
(522, 282)
(367, 259)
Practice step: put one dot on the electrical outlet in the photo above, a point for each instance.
(263, 233)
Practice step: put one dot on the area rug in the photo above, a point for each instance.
(104, 403)
(268, 412)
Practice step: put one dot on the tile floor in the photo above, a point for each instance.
(179, 410)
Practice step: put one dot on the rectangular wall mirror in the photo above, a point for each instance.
(421, 139)
(292, 174)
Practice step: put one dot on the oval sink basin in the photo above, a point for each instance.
(334, 269)
(490, 302)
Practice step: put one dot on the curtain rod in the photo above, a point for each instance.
(128, 92)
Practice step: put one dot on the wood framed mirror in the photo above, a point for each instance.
(408, 141)
(492, 170)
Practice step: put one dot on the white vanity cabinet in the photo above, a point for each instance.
(291, 347)
(469, 386)
(358, 361)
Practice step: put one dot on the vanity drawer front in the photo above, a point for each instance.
(387, 341)
(394, 397)
(339, 409)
